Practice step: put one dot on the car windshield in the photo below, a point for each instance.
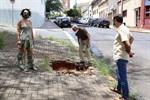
(64, 19)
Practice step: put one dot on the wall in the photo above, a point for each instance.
(95, 11)
(103, 10)
(112, 6)
(130, 6)
(37, 8)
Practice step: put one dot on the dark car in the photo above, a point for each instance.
(91, 21)
(96, 22)
(103, 22)
(64, 22)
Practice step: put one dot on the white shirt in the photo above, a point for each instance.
(119, 51)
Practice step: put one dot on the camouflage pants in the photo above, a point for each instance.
(26, 48)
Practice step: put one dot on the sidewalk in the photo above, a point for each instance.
(44, 85)
(132, 29)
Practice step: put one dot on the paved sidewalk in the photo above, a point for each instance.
(42, 85)
(132, 29)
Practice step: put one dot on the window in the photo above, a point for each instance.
(147, 11)
(125, 13)
(94, 12)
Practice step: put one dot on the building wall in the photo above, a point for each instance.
(86, 13)
(83, 6)
(66, 4)
(130, 6)
(90, 12)
(112, 6)
(95, 9)
(37, 8)
(144, 19)
(103, 10)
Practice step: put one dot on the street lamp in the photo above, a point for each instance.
(12, 2)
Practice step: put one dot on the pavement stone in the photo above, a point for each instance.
(42, 85)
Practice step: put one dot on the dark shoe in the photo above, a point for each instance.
(32, 66)
(25, 68)
(114, 89)
(82, 62)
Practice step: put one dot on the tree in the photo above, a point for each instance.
(73, 13)
(65, 11)
(53, 6)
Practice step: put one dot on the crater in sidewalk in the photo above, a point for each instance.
(66, 67)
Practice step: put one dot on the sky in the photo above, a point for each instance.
(78, 1)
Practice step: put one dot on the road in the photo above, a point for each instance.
(138, 67)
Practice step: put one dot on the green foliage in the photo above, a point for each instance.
(51, 38)
(65, 11)
(45, 66)
(2, 41)
(73, 13)
(40, 36)
(67, 43)
(101, 65)
(54, 15)
(53, 6)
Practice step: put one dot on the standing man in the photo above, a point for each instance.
(122, 51)
(83, 40)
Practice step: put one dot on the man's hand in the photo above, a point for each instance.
(131, 54)
(19, 42)
(88, 45)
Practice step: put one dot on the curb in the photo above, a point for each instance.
(146, 31)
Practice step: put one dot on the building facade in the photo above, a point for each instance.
(83, 8)
(95, 8)
(10, 14)
(90, 12)
(66, 4)
(144, 14)
(136, 13)
(130, 12)
(103, 9)
(112, 9)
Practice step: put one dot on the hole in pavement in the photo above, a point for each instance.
(70, 67)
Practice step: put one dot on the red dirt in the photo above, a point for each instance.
(70, 67)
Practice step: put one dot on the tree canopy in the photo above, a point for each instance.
(53, 6)
(73, 13)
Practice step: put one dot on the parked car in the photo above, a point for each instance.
(64, 22)
(103, 22)
(77, 20)
(57, 20)
(96, 22)
(85, 21)
(91, 23)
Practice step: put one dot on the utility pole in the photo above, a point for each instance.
(75, 2)
(12, 2)
(122, 7)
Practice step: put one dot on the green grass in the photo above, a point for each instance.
(67, 43)
(101, 65)
(40, 36)
(45, 66)
(2, 39)
(132, 96)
